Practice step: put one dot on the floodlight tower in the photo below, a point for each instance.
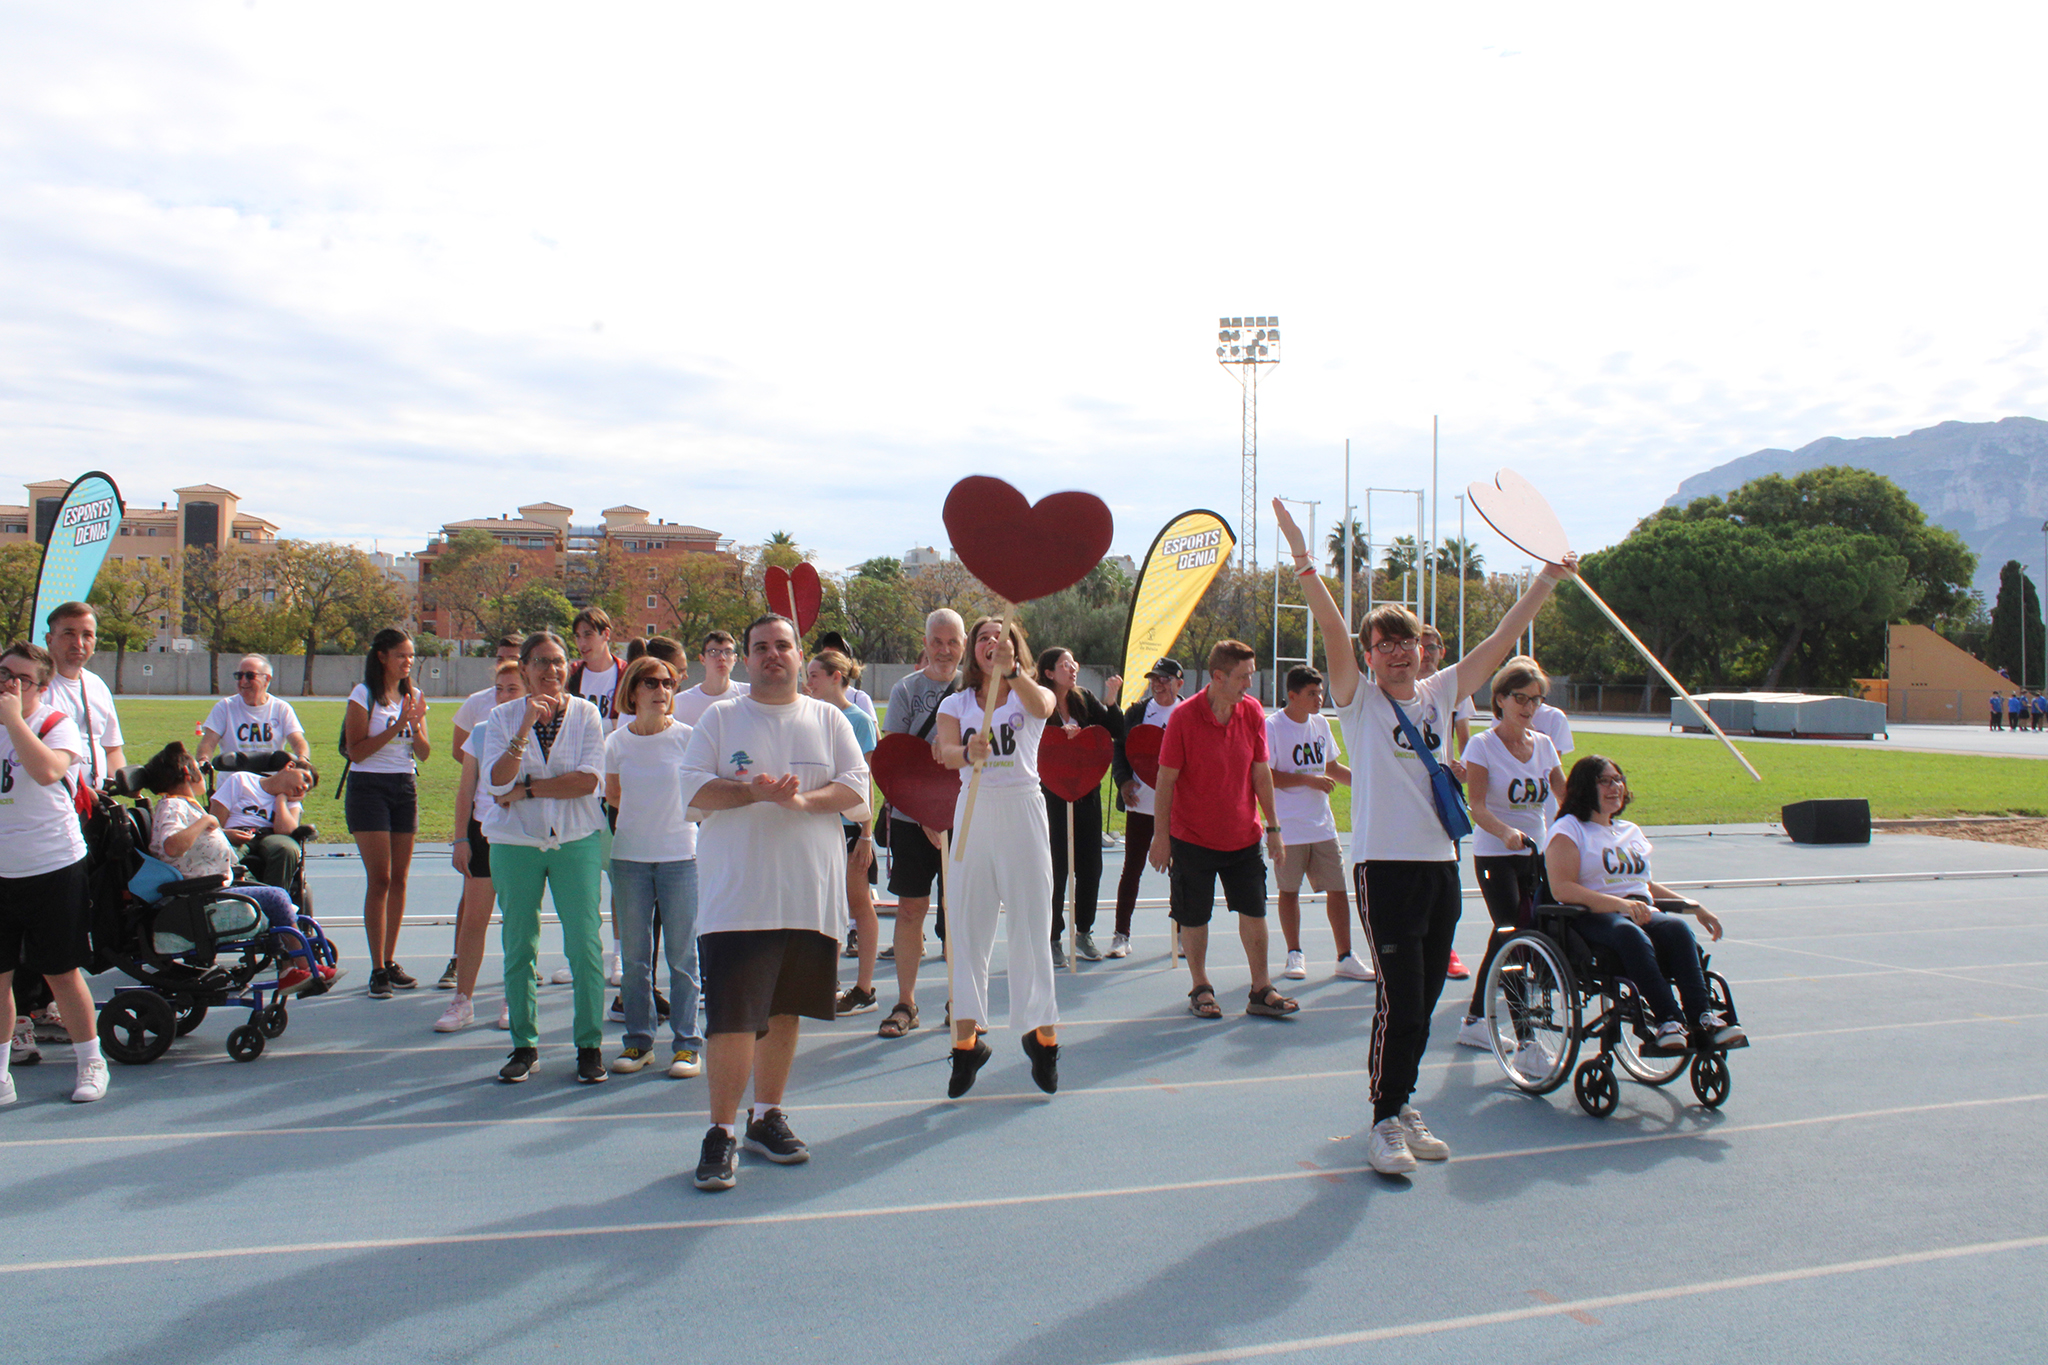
(1243, 345)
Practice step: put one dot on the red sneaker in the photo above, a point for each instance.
(1458, 971)
(293, 980)
(327, 974)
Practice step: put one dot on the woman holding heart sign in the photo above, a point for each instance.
(1075, 710)
(1007, 864)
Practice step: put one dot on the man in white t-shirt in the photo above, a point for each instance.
(252, 721)
(596, 674)
(1135, 796)
(1404, 865)
(72, 636)
(468, 716)
(771, 773)
(257, 813)
(718, 656)
(1303, 756)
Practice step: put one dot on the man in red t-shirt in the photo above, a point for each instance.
(1214, 782)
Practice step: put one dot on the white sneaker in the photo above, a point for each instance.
(504, 1016)
(684, 1066)
(1353, 968)
(1532, 1060)
(459, 1015)
(1422, 1144)
(1387, 1148)
(1297, 965)
(1475, 1032)
(563, 976)
(614, 973)
(1720, 1031)
(92, 1082)
(6, 1089)
(22, 1049)
(1119, 946)
(1671, 1035)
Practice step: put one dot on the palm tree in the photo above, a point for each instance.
(1361, 552)
(1401, 557)
(1448, 554)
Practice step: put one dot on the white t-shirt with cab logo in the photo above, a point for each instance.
(1613, 859)
(1393, 816)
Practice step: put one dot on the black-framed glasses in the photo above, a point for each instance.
(1395, 646)
(25, 679)
(244, 676)
(721, 654)
(669, 683)
(1525, 698)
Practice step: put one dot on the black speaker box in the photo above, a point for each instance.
(1827, 822)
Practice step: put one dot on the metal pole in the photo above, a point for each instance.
(1371, 573)
(1308, 645)
(1351, 534)
(1421, 520)
(1435, 520)
(1461, 575)
(1276, 613)
(2044, 634)
(2023, 627)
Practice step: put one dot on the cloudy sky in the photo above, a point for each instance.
(376, 267)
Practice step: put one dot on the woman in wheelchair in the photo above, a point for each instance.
(185, 836)
(1600, 862)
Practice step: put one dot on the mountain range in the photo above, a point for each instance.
(1986, 481)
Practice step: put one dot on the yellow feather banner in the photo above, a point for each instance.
(1172, 577)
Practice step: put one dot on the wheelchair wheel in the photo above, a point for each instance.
(191, 1013)
(1532, 1010)
(1626, 1051)
(245, 1044)
(136, 1027)
(1596, 1087)
(1710, 1079)
(273, 1020)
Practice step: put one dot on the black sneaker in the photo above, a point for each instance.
(1045, 1062)
(523, 1062)
(967, 1064)
(399, 977)
(447, 981)
(660, 1005)
(770, 1136)
(718, 1168)
(590, 1065)
(852, 948)
(380, 984)
(617, 1013)
(853, 1000)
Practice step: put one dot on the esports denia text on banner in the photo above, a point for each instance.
(1172, 577)
(87, 520)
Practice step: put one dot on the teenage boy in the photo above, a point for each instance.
(1305, 772)
(718, 657)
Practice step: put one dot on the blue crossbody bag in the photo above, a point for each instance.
(1451, 811)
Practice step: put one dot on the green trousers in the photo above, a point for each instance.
(569, 875)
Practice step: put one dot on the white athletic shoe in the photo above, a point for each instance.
(1387, 1148)
(459, 1015)
(1119, 946)
(614, 971)
(685, 1066)
(22, 1049)
(1353, 968)
(1422, 1144)
(1532, 1060)
(1297, 965)
(1719, 1031)
(1475, 1032)
(504, 1016)
(6, 1089)
(92, 1082)
(563, 976)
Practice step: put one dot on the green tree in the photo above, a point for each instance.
(1400, 559)
(702, 592)
(2015, 640)
(129, 598)
(1448, 560)
(882, 622)
(1088, 620)
(1361, 552)
(20, 567)
(329, 587)
(537, 606)
(220, 601)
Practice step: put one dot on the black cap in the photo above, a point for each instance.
(1165, 668)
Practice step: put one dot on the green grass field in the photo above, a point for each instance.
(1677, 780)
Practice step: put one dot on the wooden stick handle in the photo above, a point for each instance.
(1665, 673)
(1073, 894)
(946, 914)
(988, 709)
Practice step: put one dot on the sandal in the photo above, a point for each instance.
(1202, 1003)
(1271, 1004)
(902, 1019)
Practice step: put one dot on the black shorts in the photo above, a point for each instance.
(1192, 882)
(752, 975)
(852, 838)
(913, 862)
(381, 803)
(45, 921)
(479, 849)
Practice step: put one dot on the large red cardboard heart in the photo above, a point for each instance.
(1141, 751)
(1023, 550)
(795, 593)
(1513, 507)
(918, 786)
(1071, 766)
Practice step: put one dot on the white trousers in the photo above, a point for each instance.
(1007, 865)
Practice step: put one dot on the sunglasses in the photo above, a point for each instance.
(668, 684)
(247, 677)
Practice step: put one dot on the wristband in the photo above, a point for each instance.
(1553, 579)
(1309, 572)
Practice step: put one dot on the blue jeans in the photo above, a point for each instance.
(641, 893)
(1653, 956)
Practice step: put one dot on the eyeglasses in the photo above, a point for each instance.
(1394, 646)
(247, 677)
(668, 683)
(1525, 698)
(1432, 649)
(25, 679)
(556, 662)
(1613, 781)
(721, 654)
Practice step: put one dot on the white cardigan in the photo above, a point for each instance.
(545, 821)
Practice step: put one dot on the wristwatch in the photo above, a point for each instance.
(529, 784)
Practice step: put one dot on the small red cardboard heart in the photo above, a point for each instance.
(1141, 751)
(795, 593)
(1071, 766)
(918, 786)
(1023, 550)
(1513, 507)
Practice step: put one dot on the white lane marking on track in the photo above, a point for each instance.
(963, 1205)
(1943, 974)
(1583, 1309)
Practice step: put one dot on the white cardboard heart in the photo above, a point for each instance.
(1513, 507)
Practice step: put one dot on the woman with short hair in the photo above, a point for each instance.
(44, 907)
(384, 733)
(542, 759)
(1073, 710)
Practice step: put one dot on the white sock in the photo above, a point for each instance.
(730, 1130)
(87, 1051)
(760, 1110)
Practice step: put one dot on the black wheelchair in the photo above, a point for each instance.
(1549, 992)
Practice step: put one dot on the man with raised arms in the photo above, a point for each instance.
(1404, 866)
(771, 773)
